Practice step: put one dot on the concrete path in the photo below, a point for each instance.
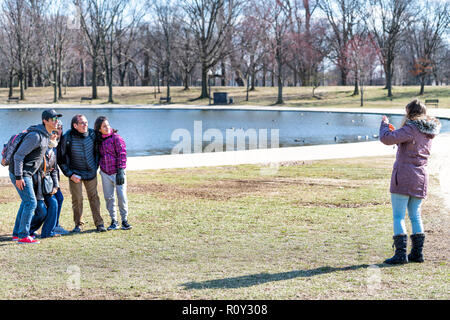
(266, 157)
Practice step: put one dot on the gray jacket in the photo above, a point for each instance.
(30, 153)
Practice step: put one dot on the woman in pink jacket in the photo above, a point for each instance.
(409, 180)
(113, 162)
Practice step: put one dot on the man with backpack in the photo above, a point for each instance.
(27, 152)
(78, 159)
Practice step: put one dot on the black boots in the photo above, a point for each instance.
(400, 243)
(417, 246)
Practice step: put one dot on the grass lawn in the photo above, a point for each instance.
(315, 230)
(375, 97)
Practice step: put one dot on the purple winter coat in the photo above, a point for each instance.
(409, 175)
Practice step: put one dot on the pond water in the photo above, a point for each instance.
(159, 131)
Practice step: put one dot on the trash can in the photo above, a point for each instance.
(220, 97)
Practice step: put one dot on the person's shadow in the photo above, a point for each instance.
(260, 278)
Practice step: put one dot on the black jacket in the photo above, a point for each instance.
(51, 170)
(78, 154)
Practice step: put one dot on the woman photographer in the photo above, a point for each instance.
(409, 178)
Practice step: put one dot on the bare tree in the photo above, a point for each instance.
(54, 34)
(211, 21)
(186, 57)
(167, 22)
(387, 20)
(425, 38)
(308, 45)
(343, 16)
(362, 53)
(7, 50)
(277, 17)
(18, 21)
(250, 35)
(127, 32)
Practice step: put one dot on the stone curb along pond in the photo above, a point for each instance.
(301, 133)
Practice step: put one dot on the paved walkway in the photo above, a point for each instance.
(266, 157)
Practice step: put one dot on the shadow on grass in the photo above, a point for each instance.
(260, 278)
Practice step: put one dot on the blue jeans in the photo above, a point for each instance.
(39, 216)
(26, 209)
(401, 203)
(60, 198)
(46, 215)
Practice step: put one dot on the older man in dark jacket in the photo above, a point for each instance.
(78, 159)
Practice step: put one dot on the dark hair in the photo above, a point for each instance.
(75, 120)
(415, 110)
(98, 124)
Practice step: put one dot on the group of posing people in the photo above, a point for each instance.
(79, 153)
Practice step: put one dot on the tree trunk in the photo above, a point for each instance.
(83, 73)
(30, 77)
(11, 80)
(223, 80)
(108, 78)
(186, 80)
(109, 67)
(388, 71)
(356, 90)
(362, 95)
(59, 81)
(122, 74)
(344, 74)
(25, 78)
(39, 82)
(158, 75)
(146, 79)
(264, 72)
(280, 78)
(422, 85)
(252, 83)
(168, 81)
(94, 79)
(22, 91)
(55, 85)
(204, 93)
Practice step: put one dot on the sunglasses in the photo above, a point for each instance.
(54, 119)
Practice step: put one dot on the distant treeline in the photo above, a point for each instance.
(225, 42)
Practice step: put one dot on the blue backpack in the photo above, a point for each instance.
(11, 146)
